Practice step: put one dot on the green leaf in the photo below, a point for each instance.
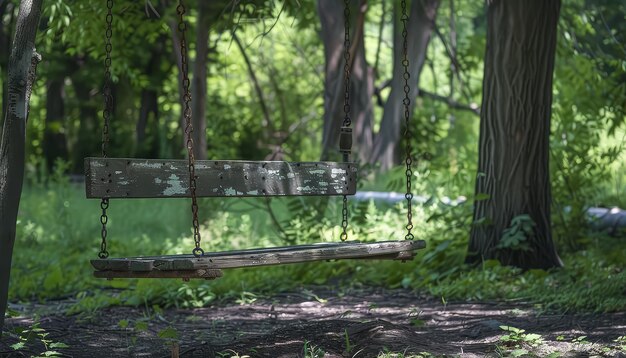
(417, 322)
(518, 352)
(168, 333)
(19, 345)
(58, 345)
(141, 326)
(512, 329)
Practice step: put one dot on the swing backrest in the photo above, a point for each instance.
(158, 178)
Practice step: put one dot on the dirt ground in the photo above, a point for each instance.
(319, 323)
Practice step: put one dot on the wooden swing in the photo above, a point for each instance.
(113, 178)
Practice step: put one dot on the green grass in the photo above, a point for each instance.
(58, 233)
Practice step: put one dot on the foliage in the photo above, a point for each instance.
(34, 334)
(58, 230)
(58, 234)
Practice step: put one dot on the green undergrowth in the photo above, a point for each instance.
(59, 232)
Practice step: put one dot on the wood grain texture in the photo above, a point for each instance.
(167, 178)
(384, 250)
(188, 274)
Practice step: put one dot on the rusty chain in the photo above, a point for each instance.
(346, 110)
(184, 68)
(407, 116)
(106, 116)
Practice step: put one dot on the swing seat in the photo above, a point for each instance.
(210, 265)
(154, 178)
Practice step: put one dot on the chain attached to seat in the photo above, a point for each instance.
(184, 68)
(345, 136)
(407, 116)
(106, 116)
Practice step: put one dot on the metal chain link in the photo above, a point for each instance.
(106, 116)
(407, 131)
(346, 108)
(182, 28)
(346, 67)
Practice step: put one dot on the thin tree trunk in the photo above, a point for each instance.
(199, 83)
(513, 170)
(176, 51)
(361, 80)
(54, 140)
(149, 105)
(23, 59)
(420, 28)
(88, 141)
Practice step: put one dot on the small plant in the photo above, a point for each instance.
(311, 351)
(516, 342)
(229, 353)
(170, 337)
(515, 237)
(349, 346)
(34, 334)
(246, 298)
(581, 340)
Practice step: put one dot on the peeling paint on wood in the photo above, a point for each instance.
(154, 178)
(383, 250)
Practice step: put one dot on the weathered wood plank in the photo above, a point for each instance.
(154, 178)
(208, 274)
(384, 250)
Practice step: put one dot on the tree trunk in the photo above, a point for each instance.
(361, 79)
(199, 83)
(88, 141)
(513, 172)
(149, 105)
(54, 140)
(23, 59)
(6, 7)
(420, 28)
(148, 145)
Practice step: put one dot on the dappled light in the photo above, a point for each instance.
(313, 179)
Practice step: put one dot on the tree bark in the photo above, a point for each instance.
(54, 140)
(420, 28)
(88, 141)
(22, 58)
(6, 7)
(513, 165)
(361, 79)
(199, 82)
(149, 105)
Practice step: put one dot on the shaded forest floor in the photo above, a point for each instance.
(317, 323)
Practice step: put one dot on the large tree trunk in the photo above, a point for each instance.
(513, 172)
(6, 7)
(22, 63)
(420, 28)
(361, 80)
(54, 140)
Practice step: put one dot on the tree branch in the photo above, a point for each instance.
(255, 81)
(450, 102)
(423, 93)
